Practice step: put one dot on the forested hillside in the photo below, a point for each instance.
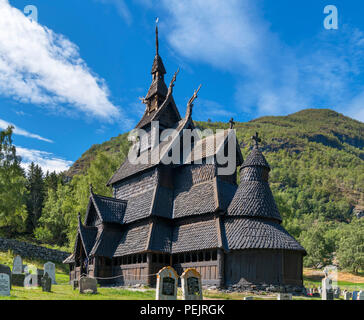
(317, 177)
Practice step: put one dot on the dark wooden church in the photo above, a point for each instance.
(186, 215)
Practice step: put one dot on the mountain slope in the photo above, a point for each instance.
(316, 155)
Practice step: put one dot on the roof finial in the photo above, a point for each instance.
(156, 37)
(171, 85)
(190, 102)
(256, 140)
(232, 123)
(91, 188)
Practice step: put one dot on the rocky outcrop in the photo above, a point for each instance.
(27, 250)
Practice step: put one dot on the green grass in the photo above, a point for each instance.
(344, 285)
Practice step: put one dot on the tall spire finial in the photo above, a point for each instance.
(156, 37)
(256, 140)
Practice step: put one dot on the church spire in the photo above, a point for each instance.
(156, 37)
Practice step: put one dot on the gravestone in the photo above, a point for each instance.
(355, 295)
(248, 298)
(167, 279)
(360, 295)
(5, 269)
(46, 283)
(191, 285)
(17, 265)
(4, 284)
(347, 295)
(88, 285)
(50, 268)
(18, 279)
(75, 284)
(31, 281)
(337, 293)
(327, 291)
(284, 296)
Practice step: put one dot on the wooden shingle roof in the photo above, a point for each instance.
(249, 233)
(254, 197)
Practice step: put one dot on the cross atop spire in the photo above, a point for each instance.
(232, 123)
(256, 140)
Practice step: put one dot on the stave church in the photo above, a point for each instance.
(186, 215)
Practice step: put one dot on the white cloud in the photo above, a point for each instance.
(41, 67)
(46, 160)
(19, 131)
(271, 77)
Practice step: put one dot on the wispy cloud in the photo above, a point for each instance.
(46, 160)
(41, 67)
(271, 76)
(19, 131)
(121, 8)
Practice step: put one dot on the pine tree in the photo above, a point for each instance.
(36, 195)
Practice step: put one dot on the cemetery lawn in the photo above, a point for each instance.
(64, 291)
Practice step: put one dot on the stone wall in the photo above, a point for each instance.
(27, 250)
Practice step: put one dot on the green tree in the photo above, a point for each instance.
(35, 197)
(54, 222)
(12, 186)
(351, 246)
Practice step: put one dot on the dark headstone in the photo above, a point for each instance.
(18, 279)
(7, 270)
(74, 284)
(46, 283)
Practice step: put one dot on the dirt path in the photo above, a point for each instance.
(343, 276)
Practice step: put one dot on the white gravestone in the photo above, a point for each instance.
(50, 268)
(191, 285)
(284, 296)
(360, 295)
(4, 284)
(327, 291)
(17, 265)
(31, 281)
(167, 280)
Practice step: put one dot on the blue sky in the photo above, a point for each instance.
(74, 78)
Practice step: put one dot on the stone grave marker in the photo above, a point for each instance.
(75, 284)
(31, 281)
(284, 296)
(50, 268)
(46, 283)
(18, 279)
(347, 295)
(337, 293)
(191, 285)
(17, 265)
(88, 285)
(327, 291)
(5, 269)
(4, 284)
(355, 295)
(167, 279)
(360, 295)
